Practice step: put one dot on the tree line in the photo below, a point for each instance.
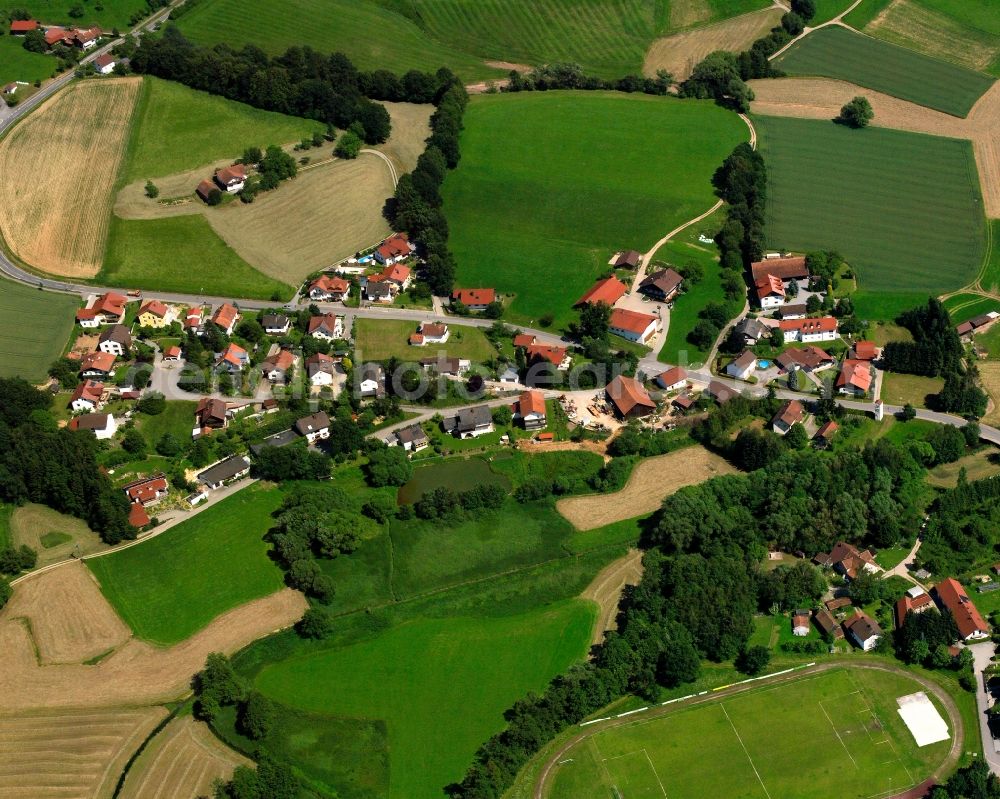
(936, 351)
(565, 75)
(301, 81)
(58, 467)
(416, 204)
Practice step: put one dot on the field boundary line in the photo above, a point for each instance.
(837, 733)
(655, 774)
(745, 751)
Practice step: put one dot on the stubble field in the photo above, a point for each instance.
(59, 168)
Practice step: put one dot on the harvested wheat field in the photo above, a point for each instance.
(165, 673)
(822, 98)
(327, 213)
(651, 482)
(680, 52)
(75, 753)
(181, 762)
(53, 535)
(59, 166)
(69, 618)
(607, 587)
(920, 28)
(989, 376)
(411, 125)
(177, 197)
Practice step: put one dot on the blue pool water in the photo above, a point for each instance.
(764, 364)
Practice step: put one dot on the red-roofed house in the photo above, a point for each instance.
(233, 359)
(865, 351)
(474, 299)
(105, 64)
(524, 339)
(328, 288)
(608, 291)
(205, 189)
(632, 325)
(172, 353)
(154, 313)
(793, 268)
(673, 379)
(148, 490)
(916, 600)
(327, 327)
(557, 356)
(529, 410)
(396, 276)
(87, 396)
(791, 413)
(430, 333)
(110, 306)
(770, 291)
(100, 365)
(19, 27)
(55, 35)
(192, 319)
(629, 398)
(846, 559)
(822, 329)
(825, 434)
(952, 596)
(102, 425)
(231, 178)
(137, 516)
(85, 38)
(226, 316)
(855, 378)
(211, 414)
(276, 367)
(394, 249)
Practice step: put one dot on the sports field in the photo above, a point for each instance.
(833, 734)
(146, 253)
(904, 209)
(177, 128)
(440, 685)
(36, 327)
(552, 184)
(54, 223)
(836, 52)
(476, 40)
(173, 585)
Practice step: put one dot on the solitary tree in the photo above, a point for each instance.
(151, 191)
(753, 660)
(857, 113)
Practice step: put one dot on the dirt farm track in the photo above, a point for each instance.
(59, 168)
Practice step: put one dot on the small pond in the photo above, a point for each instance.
(458, 474)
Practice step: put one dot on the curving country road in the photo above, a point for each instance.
(954, 717)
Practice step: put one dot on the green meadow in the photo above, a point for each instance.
(903, 208)
(176, 128)
(16, 63)
(36, 327)
(170, 587)
(836, 52)
(551, 185)
(107, 14)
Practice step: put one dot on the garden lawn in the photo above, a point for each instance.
(380, 339)
(552, 184)
(177, 419)
(16, 63)
(34, 331)
(843, 725)
(182, 254)
(170, 587)
(836, 52)
(908, 215)
(684, 315)
(176, 128)
(440, 685)
(899, 389)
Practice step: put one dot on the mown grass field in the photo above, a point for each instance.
(836, 52)
(990, 278)
(177, 128)
(964, 306)
(379, 339)
(904, 209)
(36, 327)
(552, 184)
(175, 584)
(440, 685)
(147, 253)
(473, 39)
(177, 419)
(840, 729)
(899, 389)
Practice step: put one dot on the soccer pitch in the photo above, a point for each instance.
(836, 734)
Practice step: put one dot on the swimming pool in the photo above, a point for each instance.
(763, 364)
